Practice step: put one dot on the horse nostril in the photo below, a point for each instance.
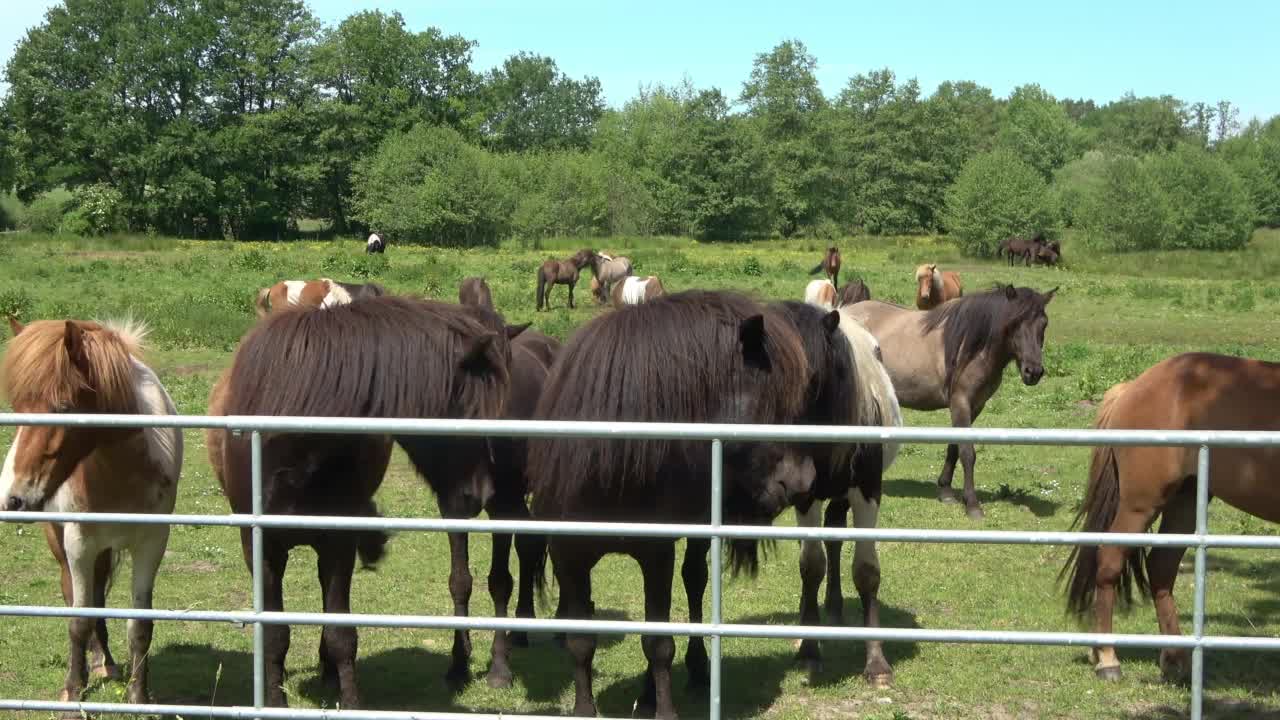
(13, 504)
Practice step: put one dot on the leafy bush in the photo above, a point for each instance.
(11, 212)
(564, 194)
(1211, 209)
(995, 196)
(100, 210)
(1076, 180)
(44, 214)
(1125, 209)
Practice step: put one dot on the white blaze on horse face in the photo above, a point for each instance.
(633, 289)
(7, 474)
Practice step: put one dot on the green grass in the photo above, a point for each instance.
(1113, 317)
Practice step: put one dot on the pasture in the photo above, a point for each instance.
(1113, 317)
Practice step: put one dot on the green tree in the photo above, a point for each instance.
(1036, 128)
(997, 195)
(1210, 208)
(1254, 154)
(1123, 208)
(1144, 125)
(529, 104)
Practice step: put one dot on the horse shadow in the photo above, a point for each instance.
(1213, 710)
(200, 674)
(1038, 506)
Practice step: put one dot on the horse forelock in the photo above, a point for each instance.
(38, 371)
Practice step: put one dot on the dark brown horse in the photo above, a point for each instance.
(1033, 249)
(855, 292)
(561, 272)
(1129, 487)
(432, 360)
(475, 291)
(830, 265)
(954, 357)
(651, 362)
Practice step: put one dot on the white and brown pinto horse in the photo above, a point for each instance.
(934, 287)
(605, 271)
(821, 293)
(634, 290)
(375, 245)
(82, 367)
(322, 293)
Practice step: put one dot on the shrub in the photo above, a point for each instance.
(11, 212)
(1210, 207)
(1076, 180)
(44, 214)
(995, 196)
(1125, 209)
(100, 208)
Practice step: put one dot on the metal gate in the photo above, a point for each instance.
(716, 531)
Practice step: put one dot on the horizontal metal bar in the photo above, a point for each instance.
(728, 432)
(628, 529)
(636, 627)
(211, 711)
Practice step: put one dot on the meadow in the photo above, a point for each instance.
(1113, 317)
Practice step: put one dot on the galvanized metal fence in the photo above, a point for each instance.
(716, 531)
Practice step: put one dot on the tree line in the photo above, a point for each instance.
(238, 118)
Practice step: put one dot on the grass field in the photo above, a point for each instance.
(1112, 318)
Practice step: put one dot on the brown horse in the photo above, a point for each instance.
(954, 357)
(561, 272)
(633, 290)
(475, 291)
(687, 357)
(1129, 487)
(429, 360)
(855, 292)
(83, 367)
(934, 287)
(321, 293)
(831, 265)
(1033, 249)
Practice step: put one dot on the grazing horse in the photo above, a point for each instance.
(1050, 253)
(934, 287)
(831, 265)
(855, 292)
(705, 357)
(634, 290)
(821, 293)
(605, 271)
(434, 360)
(475, 291)
(375, 244)
(954, 357)
(82, 367)
(1129, 487)
(1036, 248)
(561, 272)
(323, 293)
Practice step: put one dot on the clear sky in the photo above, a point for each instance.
(1195, 51)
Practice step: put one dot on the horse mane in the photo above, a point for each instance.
(973, 323)
(387, 356)
(877, 400)
(678, 358)
(38, 369)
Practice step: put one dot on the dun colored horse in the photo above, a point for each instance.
(830, 265)
(475, 291)
(954, 357)
(692, 356)
(633, 290)
(389, 357)
(323, 293)
(561, 272)
(821, 293)
(854, 292)
(1129, 487)
(934, 287)
(82, 367)
(605, 271)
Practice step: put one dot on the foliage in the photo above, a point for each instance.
(44, 214)
(529, 104)
(101, 208)
(1123, 208)
(1211, 210)
(11, 212)
(997, 195)
(1254, 154)
(1076, 180)
(1036, 128)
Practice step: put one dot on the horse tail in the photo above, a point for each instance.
(1101, 503)
(818, 268)
(542, 284)
(744, 555)
(263, 303)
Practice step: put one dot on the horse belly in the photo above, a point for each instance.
(1247, 480)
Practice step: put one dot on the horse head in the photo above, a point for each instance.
(1024, 330)
(924, 280)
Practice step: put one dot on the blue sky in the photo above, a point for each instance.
(1195, 51)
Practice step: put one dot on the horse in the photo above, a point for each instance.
(605, 271)
(934, 287)
(322, 293)
(475, 291)
(561, 272)
(954, 357)
(821, 293)
(634, 290)
(830, 265)
(1035, 248)
(1129, 487)
(707, 356)
(85, 367)
(854, 292)
(1049, 253)
(434, 360)
(375, 244)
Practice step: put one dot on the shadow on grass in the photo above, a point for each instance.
(1038, 506)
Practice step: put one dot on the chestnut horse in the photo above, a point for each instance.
(323, 293)
(830, 265)
(1129, 487)
(934, 287)
(633, 290)
(561, 272)
(74, 366)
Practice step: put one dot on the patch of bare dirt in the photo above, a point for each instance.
(193, 369)
(1086, 405)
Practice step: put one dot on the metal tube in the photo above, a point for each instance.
(717, 572)
(1197, 617)
(259, 630)
(246, 712)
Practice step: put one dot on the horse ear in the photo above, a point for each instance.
(1049, 295)
(933, 267)
(514, 330)
(73, 340)
(831, 321)
(475, 354)
(751, 334)
(16, 326)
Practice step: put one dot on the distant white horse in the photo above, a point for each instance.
(821, 293)
(374, 244)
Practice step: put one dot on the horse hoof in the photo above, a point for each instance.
(499, 680)
(975, 513)
(880, 681)
(107, 672)
(1109, 674)
(457, 677)
(947, 495)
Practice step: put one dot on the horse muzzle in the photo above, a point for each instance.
(17, 503)
(1032, 375)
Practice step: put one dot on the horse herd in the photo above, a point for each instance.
(692, 356)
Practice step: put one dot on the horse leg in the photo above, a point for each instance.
(338, 645)
(962, 417)
(460, 590)
(275, 559)
(147, 555)
(102, 665)
(531, 552)
(1110, 563)
(866, 577)
(657, 563)
(500, 585)
(1178, 516)
(836, 517)
(571, 285)
(947, 476)
(694, 574)
(82, 560)
(812, 570)
(573, 560)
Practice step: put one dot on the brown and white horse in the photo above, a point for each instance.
(605, 271)
(321, 293)
(634, 290)
(831, 265)
(934, 287)
(821, 293)
(83, 367)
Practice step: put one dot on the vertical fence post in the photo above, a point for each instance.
(259, 654)
(717, 497)
(1197, 617)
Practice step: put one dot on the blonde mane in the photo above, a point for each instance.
(37, 369)
(876, 396)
